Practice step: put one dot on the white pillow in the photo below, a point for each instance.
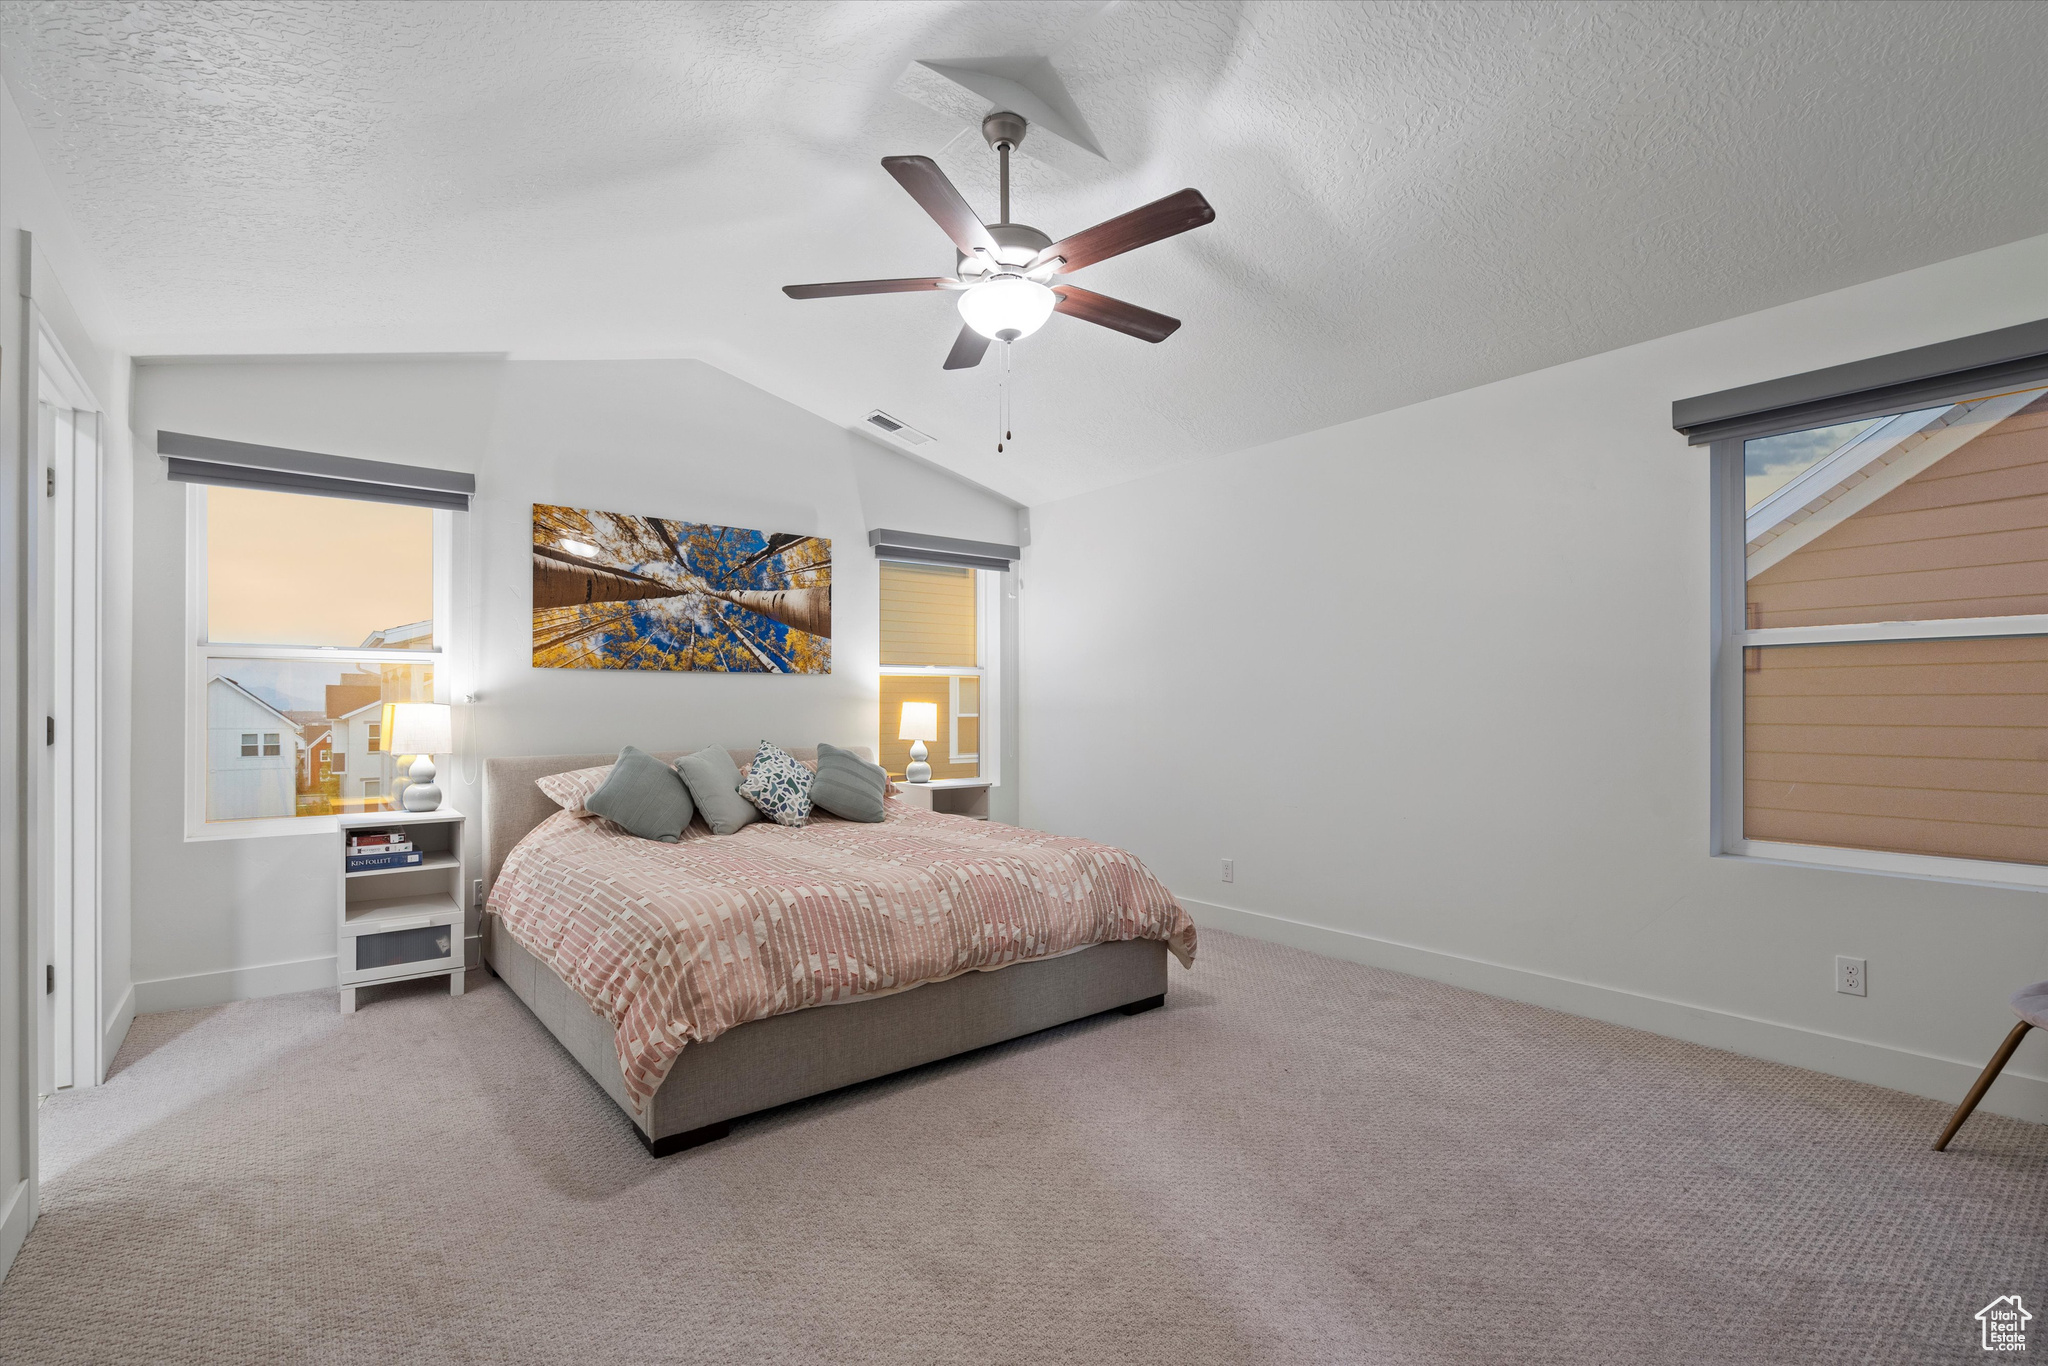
(568, 790)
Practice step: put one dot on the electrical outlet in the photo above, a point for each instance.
(1230, 870)
(1850, 978)
(476, 895)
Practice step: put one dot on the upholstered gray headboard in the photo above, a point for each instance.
(513, 805)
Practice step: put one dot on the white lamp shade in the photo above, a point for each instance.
(1007, 307)
(920, 721)
(421, 728)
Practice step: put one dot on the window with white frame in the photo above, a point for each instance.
(1882, 687)
(309, 615)
(939, 634)
(963, 725)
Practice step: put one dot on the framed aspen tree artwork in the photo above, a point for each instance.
(612, 590)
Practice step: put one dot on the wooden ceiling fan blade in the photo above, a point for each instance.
(936, 196)
(968, 349)
(1114, 314)
(840, 288)
(1148, 223)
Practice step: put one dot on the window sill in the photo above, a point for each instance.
(261, 829)
(2011, 877)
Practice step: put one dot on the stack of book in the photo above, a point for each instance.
(371, 849)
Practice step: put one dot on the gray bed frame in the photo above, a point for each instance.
(766, 1063)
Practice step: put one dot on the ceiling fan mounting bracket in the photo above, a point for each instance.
(1004, 127)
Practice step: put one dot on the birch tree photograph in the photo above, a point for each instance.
(616, 591)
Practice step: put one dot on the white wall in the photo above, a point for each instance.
(230, 918)
(1437, 680)
(77, 312)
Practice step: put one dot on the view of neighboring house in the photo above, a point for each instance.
(1926, 515)
(267, 761)
(363, 770)
(253, 755)
(414, 635)
(318, 787)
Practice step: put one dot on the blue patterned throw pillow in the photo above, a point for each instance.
(779, 785)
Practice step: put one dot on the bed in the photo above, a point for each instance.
(663, 969)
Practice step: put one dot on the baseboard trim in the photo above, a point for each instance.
(234, 984)
(2016, 1094)
(116, 1030)
(14, 1221)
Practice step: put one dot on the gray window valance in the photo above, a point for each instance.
(1867, 388)
(922, 549)
(239, 464)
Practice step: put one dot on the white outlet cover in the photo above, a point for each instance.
(1852, 976)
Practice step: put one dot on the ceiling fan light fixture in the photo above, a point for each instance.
(1007, 308)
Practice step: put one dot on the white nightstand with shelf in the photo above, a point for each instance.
(400, 923)
(949, 796)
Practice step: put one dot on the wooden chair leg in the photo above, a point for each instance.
(1991, 1071)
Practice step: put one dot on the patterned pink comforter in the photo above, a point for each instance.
(675, 942)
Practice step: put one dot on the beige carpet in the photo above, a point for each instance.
(1298, 1160)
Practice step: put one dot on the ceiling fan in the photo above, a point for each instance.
(1009, 275)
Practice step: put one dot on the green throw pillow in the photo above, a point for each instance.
(714, 780)
(848, 786)
(644, 795)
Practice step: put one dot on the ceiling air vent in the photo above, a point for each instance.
(902, 431)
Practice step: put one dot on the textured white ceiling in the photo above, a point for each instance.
(1411, 198)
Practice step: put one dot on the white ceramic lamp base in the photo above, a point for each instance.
(917, 770)
(422, 794)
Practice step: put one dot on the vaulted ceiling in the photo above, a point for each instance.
(1411, 198)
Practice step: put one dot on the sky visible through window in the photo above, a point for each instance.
(291, 569)
(1769, 463)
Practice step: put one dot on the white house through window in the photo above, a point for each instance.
(312, 615)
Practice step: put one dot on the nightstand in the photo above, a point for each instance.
(399, 923)
(949, 796)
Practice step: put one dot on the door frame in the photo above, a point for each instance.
(66, 846)
(76, 457)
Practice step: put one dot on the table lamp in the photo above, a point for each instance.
(421, 729)
(920, 723)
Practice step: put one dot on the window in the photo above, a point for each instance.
(938, 645)
(963, 734)
(1887, 706)
(311, 614)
